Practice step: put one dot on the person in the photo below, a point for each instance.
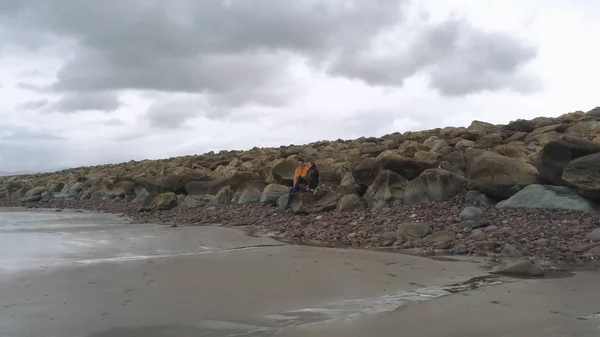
(312, 176)
(299, 178)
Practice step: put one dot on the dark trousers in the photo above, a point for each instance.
(293, 190)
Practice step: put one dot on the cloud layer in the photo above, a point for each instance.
(210, 73)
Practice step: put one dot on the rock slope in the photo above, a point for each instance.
(531, 186)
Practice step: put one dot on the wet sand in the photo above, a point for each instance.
(81, 274)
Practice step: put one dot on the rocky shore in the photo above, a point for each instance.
(529, 188)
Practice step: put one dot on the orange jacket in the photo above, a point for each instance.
(300, 171)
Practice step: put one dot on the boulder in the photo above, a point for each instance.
(143, 198)
(440, 238)
(195, 201)
(102, 195)
(240, 180)
(320, 201)
(365, 172)
(283, 173)
(31, 198)
(223, 197)
(594, 235)
(386, 191)
(176, 180)
(249, 195)
(433, 185)
(500, 176)
(471, 212)
(523, 268)
(197, 187)
(164, 201)
(511, 251)
(588, 129)
(521, 125)
(583, 174)
(548, 197)
(282, 201)
(413, 230)
(555, 155)
(407, 167)
(272, 193)
(123, 188)
(348, 203)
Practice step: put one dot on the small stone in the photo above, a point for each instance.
(439, 238)
(594, 235)
(460, 249)
(475, 223)
(471, 212)
(319, 217)
(478, 235)
(511, 251)
(518, 268)
(480, 253)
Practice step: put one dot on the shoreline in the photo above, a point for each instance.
(547, 237)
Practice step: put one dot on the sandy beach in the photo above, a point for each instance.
(85, 274)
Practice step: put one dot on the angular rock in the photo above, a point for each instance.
(124, 188)
(283, 173)
(320, 201)
(195, 201)
(433, 185)
(31, 198)
(477, 223)
(555, 155)
(440, 238)
(282, 201)
(511, 251)
(197, 187)
(272, 193)
(480, 198)
(143, 198)
(594, 235)
(548, 197)
(522, 268)
(365, 172)
(583, 174)
(223, 197)
(406, 167)
(348, 203)
(413, 230)
(471, 212)
(387, 190)
(176, 181)
(249, 195)
(460, 249)
(500, 176)
(585, 129)
(164, 201)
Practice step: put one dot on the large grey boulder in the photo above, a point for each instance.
(433, 185)
(548, 197)
(272, 193)
(249, 195)
(386, 191)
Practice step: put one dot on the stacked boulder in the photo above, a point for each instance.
(539, 163)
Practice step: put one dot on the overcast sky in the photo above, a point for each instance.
(86, 82)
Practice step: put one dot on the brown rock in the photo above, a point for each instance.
(500, 176)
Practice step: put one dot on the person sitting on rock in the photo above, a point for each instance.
(312, 177)
(299, 179)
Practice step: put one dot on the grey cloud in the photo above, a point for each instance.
(458, 58)
(238, 52)
(25, 149)
(174, 113)
(223, 48)
(73, 102)
(33, 105)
